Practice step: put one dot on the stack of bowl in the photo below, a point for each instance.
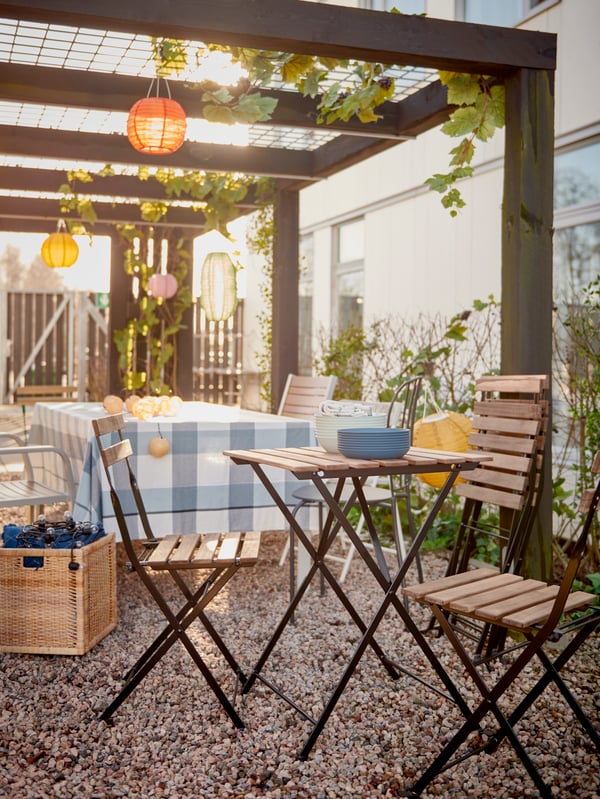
(326, 427)
(368, 442)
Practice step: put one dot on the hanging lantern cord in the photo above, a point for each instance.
(157, 81)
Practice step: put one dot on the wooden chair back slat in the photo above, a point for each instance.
(303, 395)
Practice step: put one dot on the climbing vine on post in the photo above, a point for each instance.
(480, 112)
(147, 345)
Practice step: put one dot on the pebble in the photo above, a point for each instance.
(171, 739)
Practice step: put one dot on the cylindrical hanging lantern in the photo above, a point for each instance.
(162, 286)
(447, 431)
(218, 289)
(156, 125)
(60, 249)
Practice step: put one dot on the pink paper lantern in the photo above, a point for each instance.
(162, 286)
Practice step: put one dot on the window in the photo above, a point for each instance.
(576, 260)
(495, 12)
(349, 274)
(404, 6)
(305, 307)
(577, 176)
(576, 266)
(576, 220)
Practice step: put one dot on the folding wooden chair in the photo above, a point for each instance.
(219, 554)
(303, 395)
(401, 413)
(535, 611)
(510, 420)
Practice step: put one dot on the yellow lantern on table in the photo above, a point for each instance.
(60, 249)
(447, 431)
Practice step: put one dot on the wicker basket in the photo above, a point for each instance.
(57, 610)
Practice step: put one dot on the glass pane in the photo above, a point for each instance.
(577, 176)
(494, 12)
(576, 260)
(350, 299)
(307, 259)
(406, 6)
(305, 306)
(351, 244)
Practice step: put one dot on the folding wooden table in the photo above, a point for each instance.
(319, 466)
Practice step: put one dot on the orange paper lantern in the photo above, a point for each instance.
(60, 249)
(156, 125)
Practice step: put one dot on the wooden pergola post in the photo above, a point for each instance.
(120, 291)
(527, 218)
(185, 337)
(284, 330)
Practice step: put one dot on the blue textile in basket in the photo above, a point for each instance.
(58, 535)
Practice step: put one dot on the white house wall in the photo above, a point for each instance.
(418, 258)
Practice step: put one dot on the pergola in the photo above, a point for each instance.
(302, 152)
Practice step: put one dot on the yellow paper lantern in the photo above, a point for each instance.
(448, 431)
(60, 249)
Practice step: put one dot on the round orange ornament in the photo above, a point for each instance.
(113, 404)
(159, 447)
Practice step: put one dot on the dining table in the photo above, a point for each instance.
(329, 472)
(194, 487)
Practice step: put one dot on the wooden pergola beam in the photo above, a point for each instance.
(76, 146)
(27, 179)
(45, 210)
(293, 26)
(75, 88)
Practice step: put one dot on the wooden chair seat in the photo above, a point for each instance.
(27, 490)
(508, 600)
(197, 551)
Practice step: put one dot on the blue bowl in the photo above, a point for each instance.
(375, 443)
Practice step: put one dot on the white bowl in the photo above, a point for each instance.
(326, 427)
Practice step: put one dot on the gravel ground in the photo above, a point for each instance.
(172, 739)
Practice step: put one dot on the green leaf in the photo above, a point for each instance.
(463, 89)
(295, 67)
(456, 332)
(439, 182)
(221, 95)
(463, 153)
(329, 63)
(153, 211)
(368, 115)
(81, 175)
(311, 85)
(254, 108)
(461, 122)
(106, 171)
(497, 106)
(330, 96)
(218, 113)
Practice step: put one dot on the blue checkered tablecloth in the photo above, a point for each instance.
(194, 488)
